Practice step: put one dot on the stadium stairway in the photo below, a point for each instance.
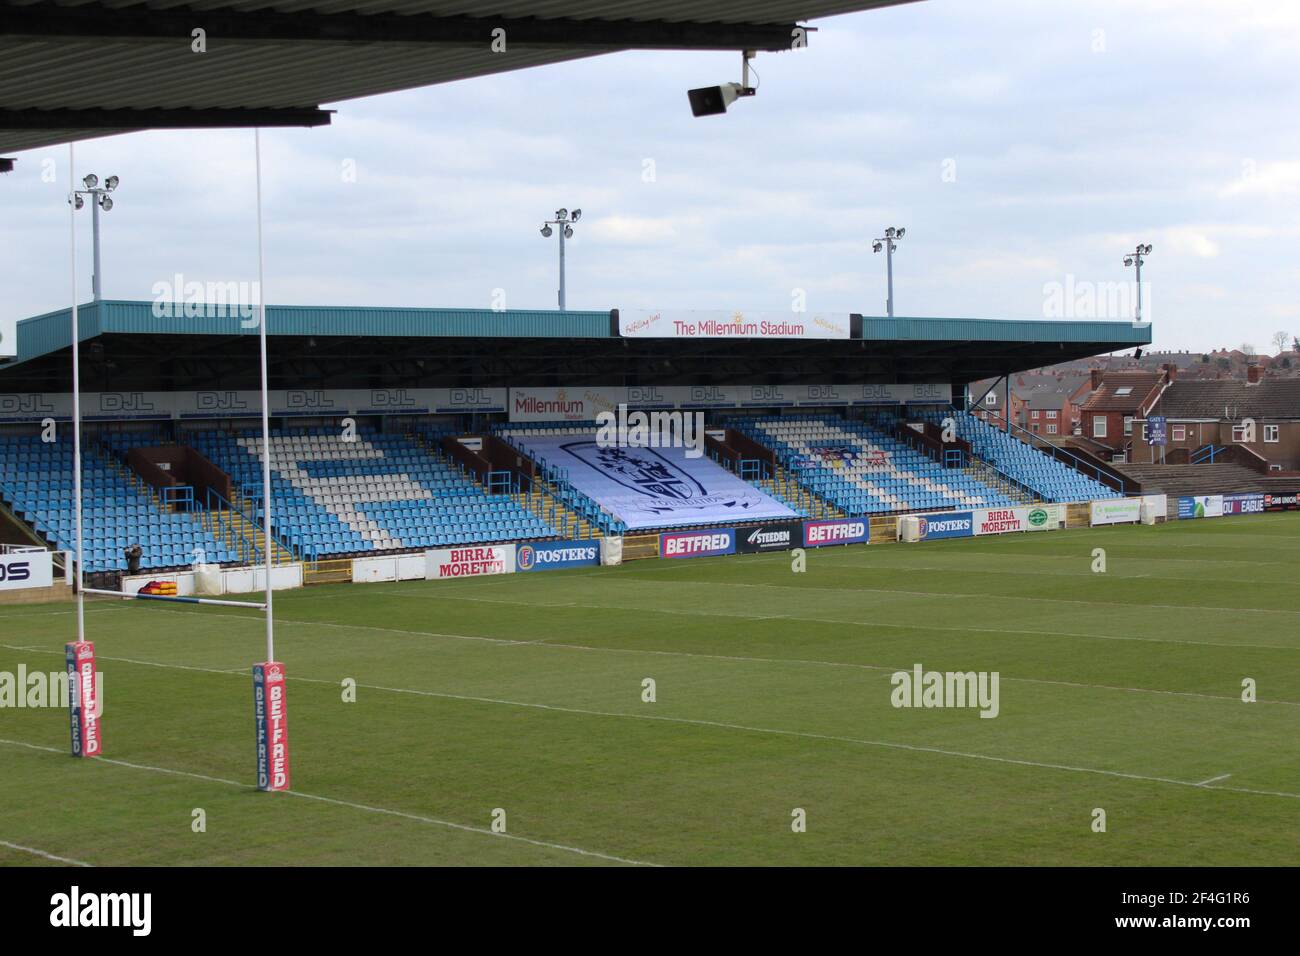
(544, 500)
(785, 487)
(241, 534)
(37, 485)
(380, 492)
(1207, 479)
(986, 473)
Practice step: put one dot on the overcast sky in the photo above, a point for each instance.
(1021, 143)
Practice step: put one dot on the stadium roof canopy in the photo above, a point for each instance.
(128, 345)
(77, 69)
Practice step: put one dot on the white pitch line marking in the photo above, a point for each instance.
(43, 854)
(434, 821)
(1204, 783)
(891, 745)
(817, 620)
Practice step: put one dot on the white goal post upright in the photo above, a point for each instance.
(268, 677)
(83, 709)
(271, 728)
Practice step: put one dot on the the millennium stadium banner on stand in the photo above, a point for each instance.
(684, 324)
(656, 487)
(582, 403)
(234, 403)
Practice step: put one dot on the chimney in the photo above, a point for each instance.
(1171, 372)
(1096, 378)
(1253, 374)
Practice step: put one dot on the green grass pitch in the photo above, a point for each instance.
(1119, 690)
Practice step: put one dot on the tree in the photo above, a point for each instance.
(1279, 341)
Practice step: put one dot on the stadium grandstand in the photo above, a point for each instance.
(401, 430)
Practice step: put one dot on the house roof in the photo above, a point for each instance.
(1122, 391)
(1223, 399)
(1046, 398)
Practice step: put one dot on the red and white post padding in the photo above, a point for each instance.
(272, 726)
(84, 706)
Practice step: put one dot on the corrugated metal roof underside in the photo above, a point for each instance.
(88, 73)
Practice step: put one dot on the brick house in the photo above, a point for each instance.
(1220, 413)
(1118, 400)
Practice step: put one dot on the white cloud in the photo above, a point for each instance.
(634, 230)
(1269, 180)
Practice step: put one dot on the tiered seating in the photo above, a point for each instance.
(863, 470)
(121, 442)
(642, 488)
(584, 506)
(378, 493)
(1051, 479)
(36, 481)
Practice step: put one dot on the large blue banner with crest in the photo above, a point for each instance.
(656, 487)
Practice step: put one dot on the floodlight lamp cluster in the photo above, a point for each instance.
(892, 234)
(1138, 253)
(562, 218)
(100, 194)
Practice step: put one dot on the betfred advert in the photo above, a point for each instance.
(271, 721)
(83, 708)
(697, 544)
(469, 562)
(821, 534)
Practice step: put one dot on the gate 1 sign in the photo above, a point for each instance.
(272, 725)
(1156, 430)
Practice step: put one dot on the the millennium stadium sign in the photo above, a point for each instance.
(681, 324)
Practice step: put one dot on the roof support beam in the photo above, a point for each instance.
(123, 120)
(46, 19)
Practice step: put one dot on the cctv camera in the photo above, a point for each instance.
(711, 100)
